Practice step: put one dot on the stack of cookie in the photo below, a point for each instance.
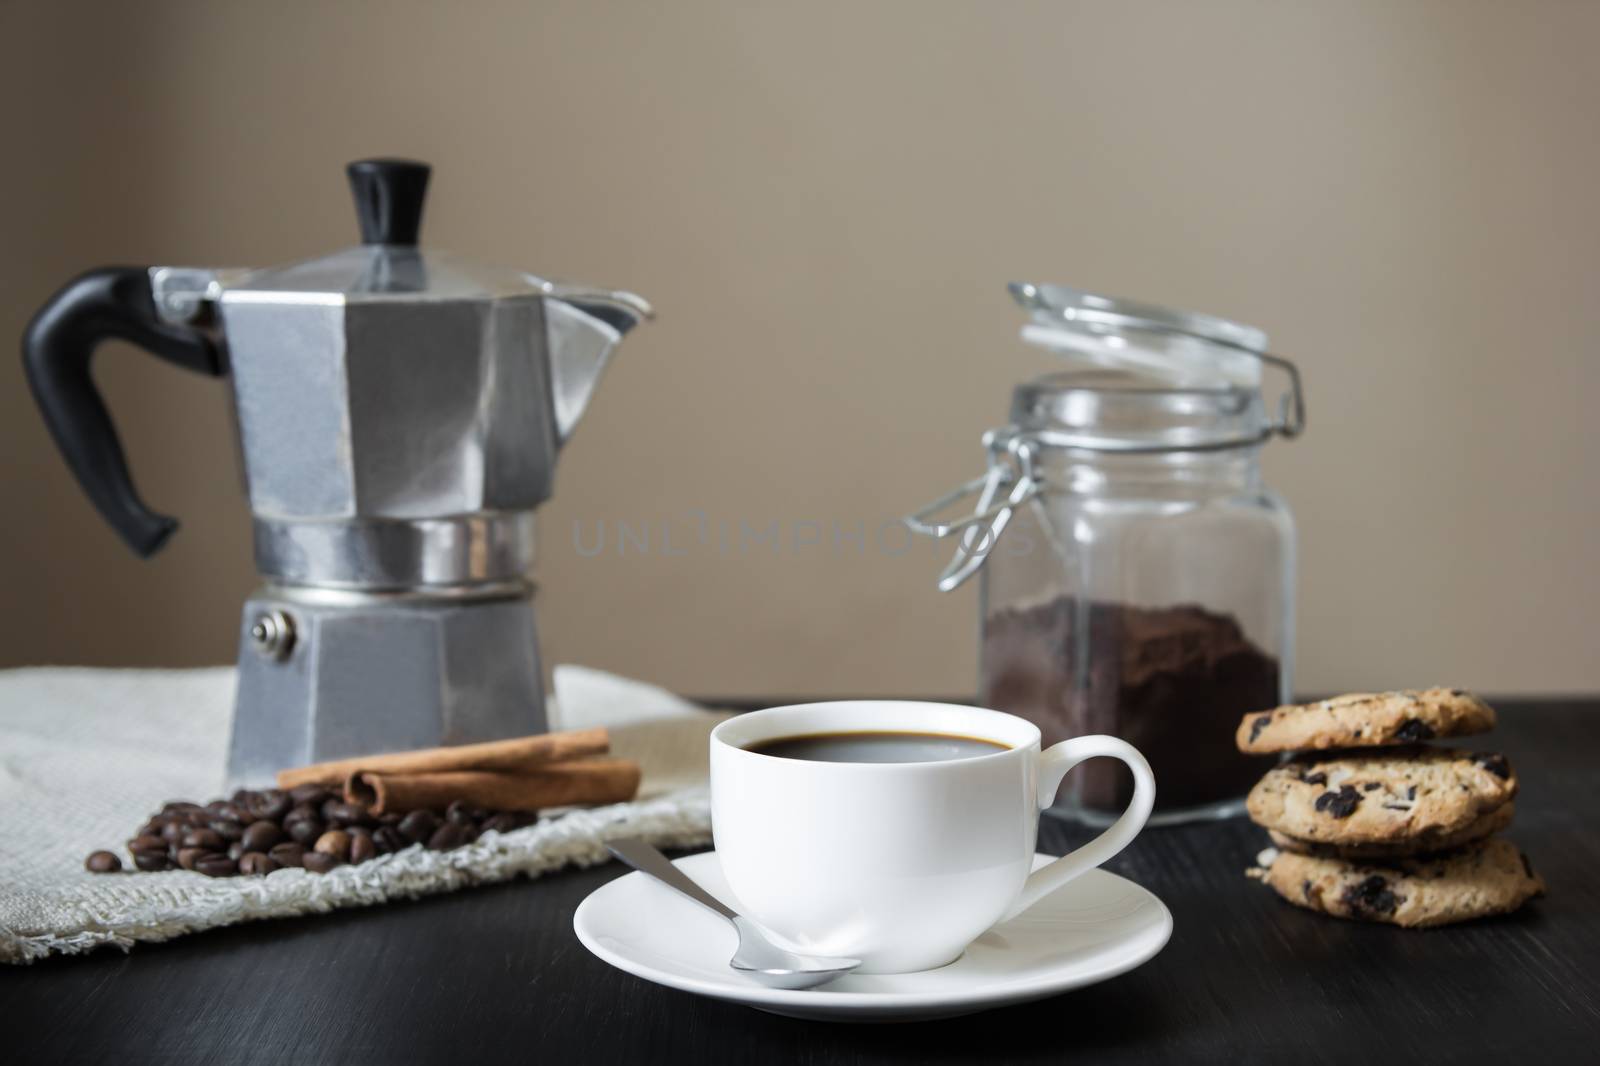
(1369, 823)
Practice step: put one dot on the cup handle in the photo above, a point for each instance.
(1054, 763)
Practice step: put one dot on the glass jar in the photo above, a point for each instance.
(1137, 575)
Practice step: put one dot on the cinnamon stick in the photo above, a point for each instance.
(562, 784)
(517, 755)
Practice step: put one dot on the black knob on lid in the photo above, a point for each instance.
(389, 195)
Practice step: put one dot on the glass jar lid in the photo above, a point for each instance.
(1147, 379)
(1173, 347)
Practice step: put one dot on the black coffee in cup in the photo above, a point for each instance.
(877, 747)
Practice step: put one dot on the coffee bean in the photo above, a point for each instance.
(461, 814)
(525, 818)
(173, 831)
(147, 845)
(217, 806)
(335, 842)
(180, 807)
(187, 856)
(287, 854)
(362, 848)
(227, 827)
(388, 839)
(447, 836)
(256, 864)
(270, 805)
(320, 863)
(260, 836)
(209, 839)
(305, 830)
(389, 818)
(213, 865)
(308, 794)
(102, 862)
(235, 849)
(151, 861)
(341, 813)
(418, 826)
(504, 822)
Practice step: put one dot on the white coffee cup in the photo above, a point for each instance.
(900, 865)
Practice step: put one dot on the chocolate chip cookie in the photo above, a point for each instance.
(1491, 877)
(1365, 720)
(1422, 844)
(1397, 796)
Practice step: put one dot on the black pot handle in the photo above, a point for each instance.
(56, 351)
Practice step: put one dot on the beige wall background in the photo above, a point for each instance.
(824, 200)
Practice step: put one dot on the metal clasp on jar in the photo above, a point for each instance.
(1011, 473)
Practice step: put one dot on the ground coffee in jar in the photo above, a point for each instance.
(1136, 572)
(1171, 681)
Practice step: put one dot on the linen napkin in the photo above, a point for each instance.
(86, 754)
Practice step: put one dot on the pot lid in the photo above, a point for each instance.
(387, 265)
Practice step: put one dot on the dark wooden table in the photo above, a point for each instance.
(496, 975)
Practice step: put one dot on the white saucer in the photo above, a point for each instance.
(1098, 926)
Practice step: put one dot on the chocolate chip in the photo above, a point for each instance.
(1414, 729)
(1370, 785)
(1261, 722)
(1305, 889)
(1370, 896)
(1411, 793)
(1495, 764)
(1315, 779)
(1340, 804)
(1526, 865)
(104, 862)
